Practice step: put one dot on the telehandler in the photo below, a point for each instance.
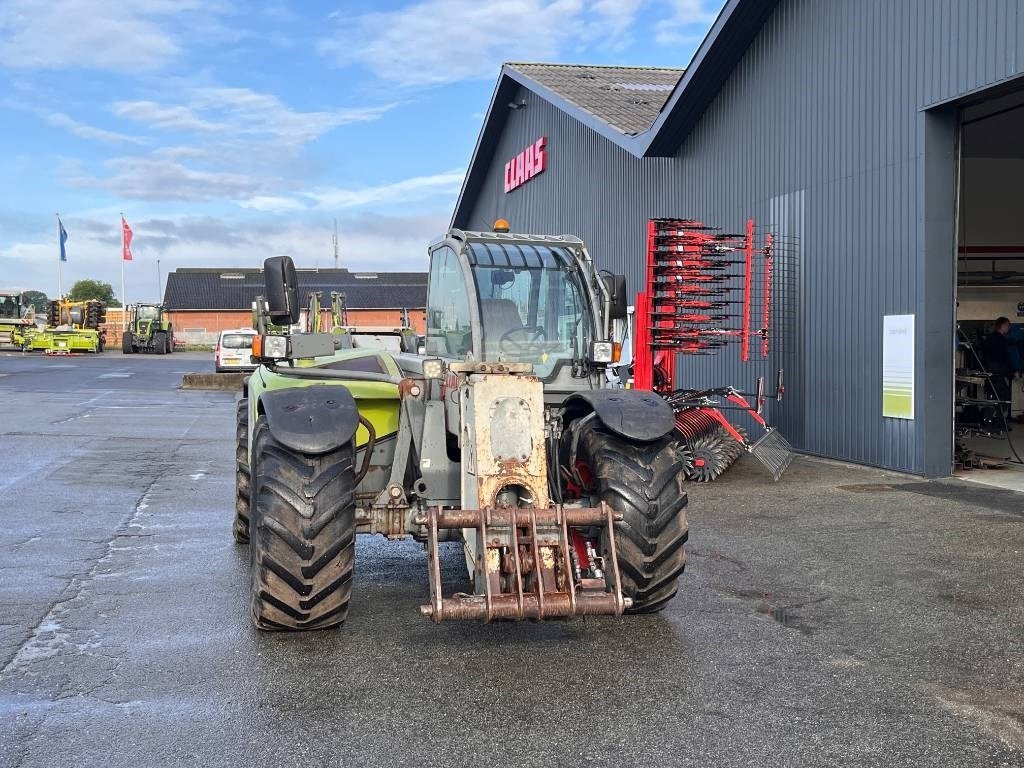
(566, 496)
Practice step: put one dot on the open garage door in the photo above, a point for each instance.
(989, 386)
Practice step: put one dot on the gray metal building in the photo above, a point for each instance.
(837, 123)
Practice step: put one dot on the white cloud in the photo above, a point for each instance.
(416, 189)
(91, 132)
(127, 36)
(406, 190)
(243, 112)
(443, 41)
(687, 21)
(235, 144)
(272, 204)
(164, 117)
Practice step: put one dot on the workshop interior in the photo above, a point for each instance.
(989, 360)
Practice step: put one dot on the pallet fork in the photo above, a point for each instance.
(530, 563)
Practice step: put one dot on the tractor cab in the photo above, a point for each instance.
(498, 298)
(10, 306)
(148, 313)
(145, 317)
(16, 321)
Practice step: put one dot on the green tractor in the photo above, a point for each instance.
(149, 330)
(17, 319)
(566, 497)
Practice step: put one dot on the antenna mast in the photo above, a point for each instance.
(335, 241)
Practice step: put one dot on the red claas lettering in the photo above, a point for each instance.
(526, 164)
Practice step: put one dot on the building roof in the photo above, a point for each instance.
(236, 289)
(603, 110)
(628, 99)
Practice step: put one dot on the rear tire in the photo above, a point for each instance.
(643, 481)
(160, 343)
(240, 529)
(170, 340)
(126, 343)
(302, 529)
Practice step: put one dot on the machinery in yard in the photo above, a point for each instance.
(699, 298)
(149, 329)
(17, 321)
(567, 498)
(71, 327)
(335, 319)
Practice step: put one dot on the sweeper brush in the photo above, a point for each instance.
(712, 449)
(710, 458)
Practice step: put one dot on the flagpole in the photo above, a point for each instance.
(59, 293)
(124, 296)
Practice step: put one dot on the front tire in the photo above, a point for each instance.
(126, 343)
(302, 530)
(160, 343)
(643, 481)
(240, 529)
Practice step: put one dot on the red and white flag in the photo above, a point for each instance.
(126, 239)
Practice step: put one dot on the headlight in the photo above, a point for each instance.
(270, 347)
(433, 368)
(601, 351)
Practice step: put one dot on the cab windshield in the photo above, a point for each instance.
(9, 307)
(148, 313)
(532, 306)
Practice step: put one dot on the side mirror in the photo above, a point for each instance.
(616, 285)
(282, 289)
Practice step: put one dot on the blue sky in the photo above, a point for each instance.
(230, 131)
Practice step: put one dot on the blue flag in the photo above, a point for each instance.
(63, 239)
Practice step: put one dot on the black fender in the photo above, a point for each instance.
(631, 413)
(313, 419)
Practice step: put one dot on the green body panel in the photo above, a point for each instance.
(378, 401)
(16, 332)
(81, 340)
(145, 328)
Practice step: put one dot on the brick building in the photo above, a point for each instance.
(205, 301)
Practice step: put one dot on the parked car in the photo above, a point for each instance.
(234, 350)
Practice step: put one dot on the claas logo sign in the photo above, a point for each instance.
(527, 164)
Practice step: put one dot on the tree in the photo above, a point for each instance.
(37, 299)
(85, 290)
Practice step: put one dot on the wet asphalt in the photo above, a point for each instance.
(843, 616)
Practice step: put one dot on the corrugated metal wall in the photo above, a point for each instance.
(822, 120)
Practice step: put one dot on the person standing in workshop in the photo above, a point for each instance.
(998, 360)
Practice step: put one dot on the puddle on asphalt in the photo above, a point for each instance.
(786, 615)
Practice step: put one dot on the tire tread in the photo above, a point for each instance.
(643, 481)
(302, 531)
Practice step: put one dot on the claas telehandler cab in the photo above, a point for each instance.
(566, 496)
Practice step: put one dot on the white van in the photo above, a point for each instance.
(234, 350)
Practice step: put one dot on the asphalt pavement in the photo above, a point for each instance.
(843, 616)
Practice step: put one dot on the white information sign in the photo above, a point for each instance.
(898, 366)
